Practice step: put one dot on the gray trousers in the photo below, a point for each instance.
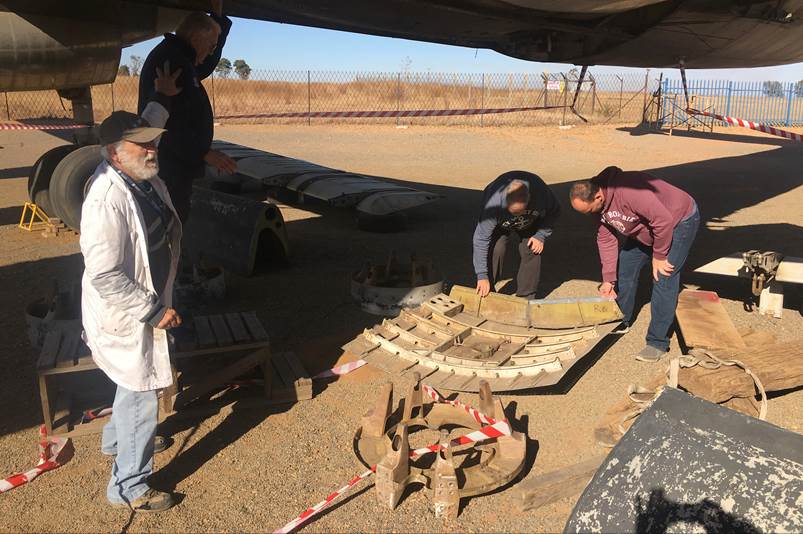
(529, 273)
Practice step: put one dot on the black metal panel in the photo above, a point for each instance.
(686, 464)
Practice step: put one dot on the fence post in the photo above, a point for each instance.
(8, 110)
(111, 86)
(644, 107)
(309, 98)
(789, 103)
(398, 96)
(621, 91)
(482, 101)
(593, 96)
(728, 101)
(212, 83)
(565, 99)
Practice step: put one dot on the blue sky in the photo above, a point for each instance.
(268, 45)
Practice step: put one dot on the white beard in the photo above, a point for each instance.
(144, 168)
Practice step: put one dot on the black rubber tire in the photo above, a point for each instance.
(67, 183)
(41, 173)
(394, 222)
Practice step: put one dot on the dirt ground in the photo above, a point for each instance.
(252, 468)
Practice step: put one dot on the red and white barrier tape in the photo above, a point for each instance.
(751, 125)
(53, 452)
(385, 114)
(312, 510)
(494, 430)
(18, 126)
(476, 414)
(317, 115)
(340, 370)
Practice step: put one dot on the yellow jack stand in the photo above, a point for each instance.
(38, 219)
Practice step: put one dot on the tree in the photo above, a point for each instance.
(799, 89)
(773, 88)
(242, 69)
(223, 68)
(136, 65)
(123, 70)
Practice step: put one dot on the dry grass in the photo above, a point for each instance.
(358, 92)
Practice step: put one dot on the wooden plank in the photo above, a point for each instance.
(222, 334)
(704, 323)
(283, 370)
(50, 350)
(203, 332)
(68, 351)
(92, 427)
(295, 365)
(44, 397)
(541, 490)
(168, 398)
(219, 378)
(301, 386)
(778, 366)
(61, 413)
(254, 326)
(218, 350)
(237, 327)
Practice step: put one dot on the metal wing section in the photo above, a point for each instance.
(334, 187)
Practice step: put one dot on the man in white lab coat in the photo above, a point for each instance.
(130, 239)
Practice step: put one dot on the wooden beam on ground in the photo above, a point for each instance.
(541, 490)
(704, 323)
(778, 366)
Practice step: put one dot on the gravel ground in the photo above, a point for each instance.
(251, 468)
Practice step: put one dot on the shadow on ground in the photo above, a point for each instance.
(307, 307)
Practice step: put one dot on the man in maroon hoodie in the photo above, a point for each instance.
(642, 218)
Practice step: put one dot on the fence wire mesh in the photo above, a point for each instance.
(603, 98)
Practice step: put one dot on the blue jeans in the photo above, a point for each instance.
(633, 256)
(130, 434)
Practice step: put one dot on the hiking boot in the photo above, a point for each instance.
(160, 444)
(150, 501)
(650, 354)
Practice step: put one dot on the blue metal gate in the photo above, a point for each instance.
(773, 103)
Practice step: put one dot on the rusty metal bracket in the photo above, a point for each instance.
(454, 472)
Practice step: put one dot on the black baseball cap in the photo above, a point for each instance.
(127, 126)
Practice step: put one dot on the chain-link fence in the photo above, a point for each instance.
(607, 98)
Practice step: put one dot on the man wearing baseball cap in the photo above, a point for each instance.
(130, 238)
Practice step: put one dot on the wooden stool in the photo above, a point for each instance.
(285, 378)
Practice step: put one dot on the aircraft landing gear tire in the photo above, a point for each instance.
(68, 181)
(41, 174)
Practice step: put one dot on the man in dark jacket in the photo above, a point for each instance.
(642, 220)
(518, 208)
(195, 48)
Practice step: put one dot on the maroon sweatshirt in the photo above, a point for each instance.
(639, 206)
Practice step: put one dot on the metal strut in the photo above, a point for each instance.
(682, 67)
(577, 92)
